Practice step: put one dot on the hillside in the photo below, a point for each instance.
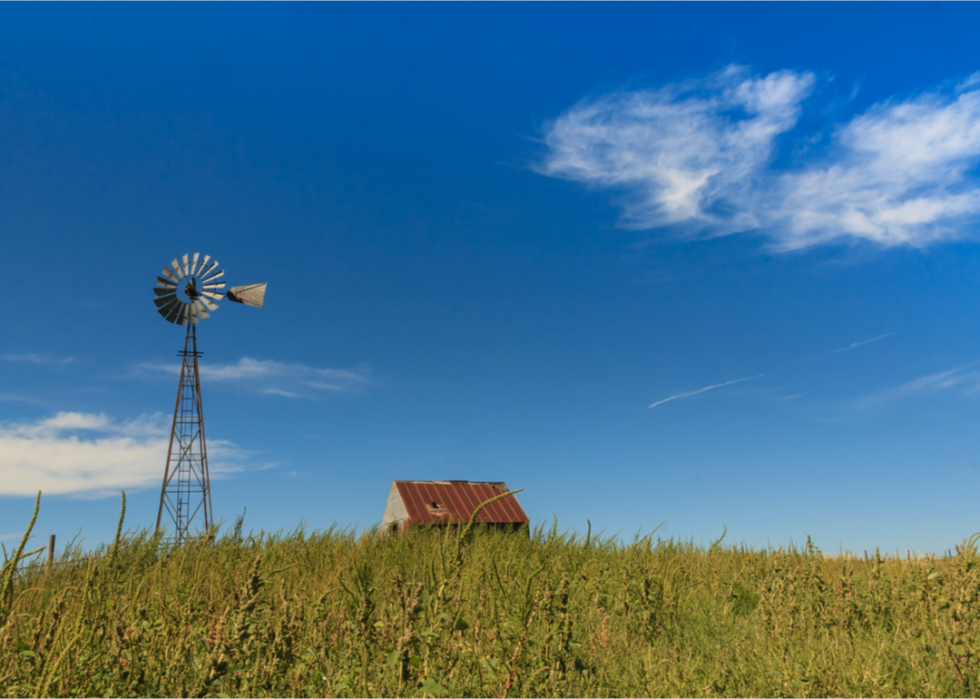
(473, 613)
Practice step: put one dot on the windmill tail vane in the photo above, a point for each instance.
(188, 291)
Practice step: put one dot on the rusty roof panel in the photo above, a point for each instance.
(456, 501)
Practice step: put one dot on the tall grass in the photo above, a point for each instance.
(467, 612)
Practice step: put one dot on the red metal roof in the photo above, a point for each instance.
(456, 500)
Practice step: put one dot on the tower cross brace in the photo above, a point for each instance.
(186, 491)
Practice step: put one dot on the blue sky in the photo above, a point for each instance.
(707, 265)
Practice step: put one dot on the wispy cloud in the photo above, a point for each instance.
(14, 398)
(677, 151)
(697, 157)
(92, 455)
(280, 392)
(862, 342)
(703, 390)
(965, 379)
(35, 359)
(289, 380)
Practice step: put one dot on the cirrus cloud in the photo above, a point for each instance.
(963, 380)
(697, 157)
(699, 391)
(33, 358)
(270, 377)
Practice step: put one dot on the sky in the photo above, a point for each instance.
(707, 267)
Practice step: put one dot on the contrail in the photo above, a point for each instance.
(863, 342)
(702, 390)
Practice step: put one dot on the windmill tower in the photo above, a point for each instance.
(187, 292)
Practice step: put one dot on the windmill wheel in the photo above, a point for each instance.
(189, 289)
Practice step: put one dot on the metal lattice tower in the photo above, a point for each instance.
(186, 292)
(186, 489)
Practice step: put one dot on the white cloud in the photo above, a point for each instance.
(14, 398)
(280, 392)
(92, 455)
(687, 154)
(290, 380)
(900, 174)
(35, 359)
(862, 342)
(697, 157)
(966, 379)
(702, 390)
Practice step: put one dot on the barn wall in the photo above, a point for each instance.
(395, 512)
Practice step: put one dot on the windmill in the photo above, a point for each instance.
(187, 292)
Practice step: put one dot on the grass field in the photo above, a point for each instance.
(466, 612)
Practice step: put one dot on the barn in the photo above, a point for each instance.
(450, 502)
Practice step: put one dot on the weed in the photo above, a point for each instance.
(470, 612)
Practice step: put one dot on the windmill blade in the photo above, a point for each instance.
(186, 267)
(170, 315)
(174, 315)
(213, 295)
(250, 294)
(194, 262)
(217, 275)
(204, 263)
(165, 309)
(166, 282)
(176, 265)
(208, 303)
(200, 310)
(214, 266)
(170, 275)
(164, 291)
(215, 285)
(165, 301)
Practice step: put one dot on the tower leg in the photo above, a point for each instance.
(186, 492)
